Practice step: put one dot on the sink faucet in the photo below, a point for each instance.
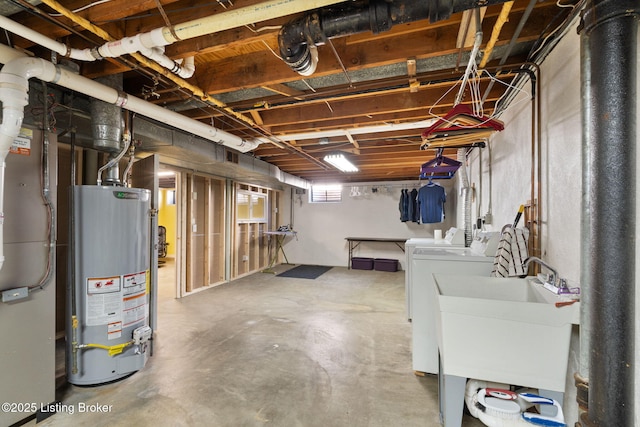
(557, 284)
(552, 278)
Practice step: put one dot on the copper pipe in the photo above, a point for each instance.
(536, 168)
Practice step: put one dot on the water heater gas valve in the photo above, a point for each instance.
(142, 334)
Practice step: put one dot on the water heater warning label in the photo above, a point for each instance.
(103, 285)
(104, 301)
(134, 298)
(114, 330)
(117, 302)
(135, 283)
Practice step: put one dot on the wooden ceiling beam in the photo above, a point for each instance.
(260, 69)
(355, 108)
(115, 10)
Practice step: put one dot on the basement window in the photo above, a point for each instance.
(325, 193)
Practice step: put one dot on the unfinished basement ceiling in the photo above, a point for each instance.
(370, 97)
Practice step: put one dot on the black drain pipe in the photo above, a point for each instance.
(313, 29)
(609, 30)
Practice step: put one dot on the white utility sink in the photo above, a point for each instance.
(507, 330)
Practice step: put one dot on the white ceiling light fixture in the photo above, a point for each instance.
(340, 162)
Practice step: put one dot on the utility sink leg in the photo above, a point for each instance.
(451, 397)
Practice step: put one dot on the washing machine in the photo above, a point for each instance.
(454, 237)
(476, 260)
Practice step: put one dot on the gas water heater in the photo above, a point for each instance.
(108, 329)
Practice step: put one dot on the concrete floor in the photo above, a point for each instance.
(269, 350)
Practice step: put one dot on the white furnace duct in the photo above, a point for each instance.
(108, 331)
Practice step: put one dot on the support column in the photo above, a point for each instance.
(610, 30)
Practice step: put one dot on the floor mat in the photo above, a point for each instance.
(305, 271)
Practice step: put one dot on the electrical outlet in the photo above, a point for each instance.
(245, 257)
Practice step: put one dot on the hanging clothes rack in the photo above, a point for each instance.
(458, 127)
(464, 124)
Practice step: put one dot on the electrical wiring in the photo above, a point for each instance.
(80, 9)
(565, 5)
(46, 197)
(544, 42)
(265, 28)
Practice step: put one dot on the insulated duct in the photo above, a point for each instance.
(297, 39)
(466, 196)
(14, 87)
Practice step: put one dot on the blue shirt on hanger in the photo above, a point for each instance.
(431, 198)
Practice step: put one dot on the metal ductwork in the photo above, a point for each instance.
(106, 118)
(107, 126)
(298, 39)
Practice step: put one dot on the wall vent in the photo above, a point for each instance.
(232, 157)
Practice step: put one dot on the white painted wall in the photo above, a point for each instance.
(561, 180)
(561, 174)
(323, 227)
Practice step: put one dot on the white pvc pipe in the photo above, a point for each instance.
(237, 18)
(110, 50)
(211, 24)
(107, 94)
(391, 127)
(69, 80)
(146, 43)
(14, 87)
(187, 67)
(157, 54)
(59, 48)
(14, 83)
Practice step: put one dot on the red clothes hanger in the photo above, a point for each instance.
(461, 119)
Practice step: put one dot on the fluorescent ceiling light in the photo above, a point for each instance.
(340, 162)
(166, 173)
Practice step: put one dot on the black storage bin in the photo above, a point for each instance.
(382, 264)
(360, 263)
